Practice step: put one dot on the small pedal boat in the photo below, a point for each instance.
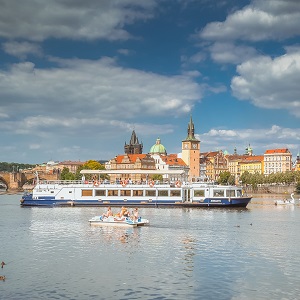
(115, 221)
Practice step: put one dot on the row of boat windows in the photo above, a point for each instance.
(132, 193)
(160, 193)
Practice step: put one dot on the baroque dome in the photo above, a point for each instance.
(158, 148)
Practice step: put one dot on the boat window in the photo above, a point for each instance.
(239, 193)
(218, 193)
(230, 193)
(86, 193)
(198, 193)
(137, 193)
(162, 193)
(125, 193)
(150, 193)
(175, 193)
(99, 193)
(111, 193)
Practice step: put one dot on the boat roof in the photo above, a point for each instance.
(128, 171)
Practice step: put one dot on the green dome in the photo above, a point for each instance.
(158, 148)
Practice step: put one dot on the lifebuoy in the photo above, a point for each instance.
(151, 183)
(178, 183)
(96, 183)
(86, 182)
(123, 183)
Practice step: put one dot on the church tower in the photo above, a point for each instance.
(191, 152)
(134, 147)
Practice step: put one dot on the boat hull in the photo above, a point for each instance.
(111, 221)
(208, 202)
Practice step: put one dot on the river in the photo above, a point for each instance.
(54, 253)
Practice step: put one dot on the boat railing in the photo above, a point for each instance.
(95, 183)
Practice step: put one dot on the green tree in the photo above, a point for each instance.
(225, 178)
(91, 165)
(66, 174)
(157, 177)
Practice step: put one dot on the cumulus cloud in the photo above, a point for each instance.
(22, 49)
(260, 139)
(270, 83)
(93, 19)
(271, 20)
(223, 52)
(80, 93)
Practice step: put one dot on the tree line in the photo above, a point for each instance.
(259, 179)
(14, 167)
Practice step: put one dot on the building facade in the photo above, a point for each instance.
(134, 147)
(277, 160)
(190, 152)
(213, 163)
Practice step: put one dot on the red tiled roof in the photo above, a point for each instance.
(132, 157)
(250, 159)
(270, 151)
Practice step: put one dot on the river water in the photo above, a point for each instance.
(54, 253)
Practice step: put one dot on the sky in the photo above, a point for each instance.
(77, 77)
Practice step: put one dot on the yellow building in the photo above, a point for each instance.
(252, 164)
(214, 163)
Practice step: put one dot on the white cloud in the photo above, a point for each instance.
(22, 49)
(271, 20)
(38, 20)
(270, 83)
(260, 139)
(230, 53)
(81, 93)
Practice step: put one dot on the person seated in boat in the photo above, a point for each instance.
(122, 213)
(109, 213)
(135, 214)
(125, 212)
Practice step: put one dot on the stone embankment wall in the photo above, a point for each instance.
(271, 189)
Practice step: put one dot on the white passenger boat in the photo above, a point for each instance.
(286, 201)
(148, 193)
(115, 221)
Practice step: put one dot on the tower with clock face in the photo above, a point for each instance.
(191, 152)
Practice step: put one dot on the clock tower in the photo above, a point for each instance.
(191, 152)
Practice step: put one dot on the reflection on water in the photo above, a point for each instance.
(54, 253)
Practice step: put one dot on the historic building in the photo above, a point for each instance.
(130, 162)
(297, 162)
(158, 148)
(190, 152)
(134, 147)
(277, 160)
(253, 164)
(212, 164)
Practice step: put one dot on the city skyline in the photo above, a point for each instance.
(77, 78)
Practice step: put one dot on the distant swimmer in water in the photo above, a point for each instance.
(3, 264)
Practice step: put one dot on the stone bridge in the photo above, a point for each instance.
(16, 180)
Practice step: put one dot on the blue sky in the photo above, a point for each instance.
(76, 77)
